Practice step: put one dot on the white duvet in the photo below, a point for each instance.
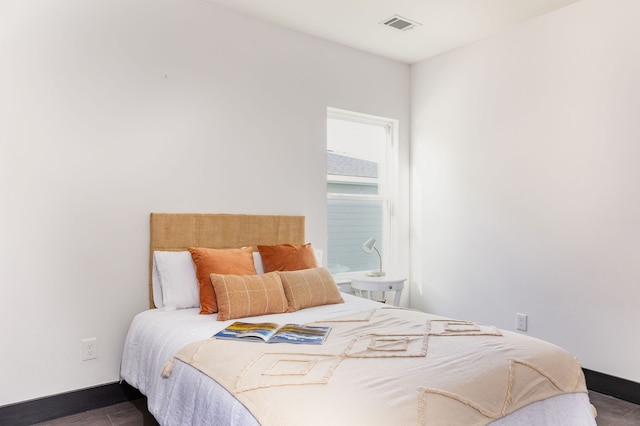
(189, 397)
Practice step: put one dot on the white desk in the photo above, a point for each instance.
(362, 283)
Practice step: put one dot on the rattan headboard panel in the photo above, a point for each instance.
(178, 231)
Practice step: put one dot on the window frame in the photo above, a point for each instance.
(387, 184)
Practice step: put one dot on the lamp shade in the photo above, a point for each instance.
(369, 245)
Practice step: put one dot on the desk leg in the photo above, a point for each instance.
(396, 300)
(368, 292)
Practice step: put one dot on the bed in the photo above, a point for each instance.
(379, 365)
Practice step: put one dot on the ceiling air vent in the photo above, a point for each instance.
(400, 23)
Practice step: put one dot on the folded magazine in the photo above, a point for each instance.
(273, 333)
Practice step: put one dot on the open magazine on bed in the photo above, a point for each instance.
(271, 332)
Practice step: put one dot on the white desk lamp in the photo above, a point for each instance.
(368, 247)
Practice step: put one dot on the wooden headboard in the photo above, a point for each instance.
(176, 232)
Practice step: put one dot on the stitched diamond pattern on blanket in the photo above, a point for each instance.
(286, 369)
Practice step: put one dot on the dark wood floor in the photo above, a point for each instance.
(614, 412)
(133, 413)
(611, 412)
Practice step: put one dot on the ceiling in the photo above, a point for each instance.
(445, 24)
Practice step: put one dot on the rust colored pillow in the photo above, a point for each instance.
(310, 287)
(242, 296)
(218, 261)
(287, 257)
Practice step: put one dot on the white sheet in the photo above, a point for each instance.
(189, 397)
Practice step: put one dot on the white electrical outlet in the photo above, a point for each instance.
(89, 349)
(521, 322)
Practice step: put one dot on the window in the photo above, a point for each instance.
(359, 171)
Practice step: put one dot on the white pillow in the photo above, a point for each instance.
(176, 279)
(257, 263)
(155, 285)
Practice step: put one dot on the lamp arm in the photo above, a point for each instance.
(376, 249)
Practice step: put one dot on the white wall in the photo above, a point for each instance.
(112, 109)
(526, 182)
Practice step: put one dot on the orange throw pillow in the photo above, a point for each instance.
(218, 261)
(310, 287)
(248, 295)
(287, 257)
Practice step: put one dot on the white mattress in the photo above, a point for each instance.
(190, 397)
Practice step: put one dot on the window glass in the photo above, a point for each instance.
(357, 190)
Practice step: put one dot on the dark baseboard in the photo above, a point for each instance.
(66, 404)
(612, 386)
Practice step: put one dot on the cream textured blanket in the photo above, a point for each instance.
(389, 366)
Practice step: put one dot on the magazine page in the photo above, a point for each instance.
(248, 330)
(296, 333)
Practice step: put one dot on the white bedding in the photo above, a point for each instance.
(190, 397)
